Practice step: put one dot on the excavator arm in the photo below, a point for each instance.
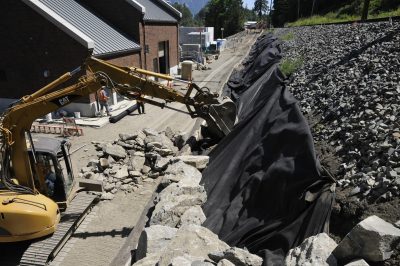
(133, 83)
(220, 114)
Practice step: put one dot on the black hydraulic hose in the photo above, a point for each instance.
(116, 118)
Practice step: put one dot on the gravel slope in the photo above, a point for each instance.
(349, 89)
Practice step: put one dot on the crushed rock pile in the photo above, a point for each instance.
(350, 80)
(142, 156)
(133, 158)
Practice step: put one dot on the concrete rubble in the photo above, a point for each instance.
(142, 156)
(372, 239)
(315, 250)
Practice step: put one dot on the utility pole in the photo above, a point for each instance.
(364, 15)
(222, 30)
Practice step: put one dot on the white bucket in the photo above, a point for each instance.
(77, 114)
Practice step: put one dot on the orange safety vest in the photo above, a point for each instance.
(102, 96)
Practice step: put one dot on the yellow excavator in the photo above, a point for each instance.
(29, 209)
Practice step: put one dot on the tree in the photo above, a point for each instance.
(187, 17)
(227, 14)
(260, 7)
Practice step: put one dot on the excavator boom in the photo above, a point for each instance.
(17, 179)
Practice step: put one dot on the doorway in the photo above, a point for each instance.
(163, 57)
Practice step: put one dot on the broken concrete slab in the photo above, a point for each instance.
(193, 215)
(137, 162)
(371, 239)
(198, 161)
(116, 151)
(202, 242)
(180, 170)
(315, 250)
(128, 136)
(169, 212)
(122, 173)
(241, 257)
(154, 239)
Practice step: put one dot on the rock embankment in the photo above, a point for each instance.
(349, 89)
(350, 85)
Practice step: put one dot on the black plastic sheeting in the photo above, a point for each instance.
(271, 192)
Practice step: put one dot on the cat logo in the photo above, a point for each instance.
(63, 101)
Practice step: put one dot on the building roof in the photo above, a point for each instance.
(157, 10)
(84, 26)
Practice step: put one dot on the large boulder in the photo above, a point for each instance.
(175, 200)
(372, 239)
(315, 250)
(116, 151)
(154, 239)
(194, 241)
(193, 215)
(179, 170)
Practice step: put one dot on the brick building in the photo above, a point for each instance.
(42, 39)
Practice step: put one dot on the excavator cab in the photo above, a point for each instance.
(52, 171)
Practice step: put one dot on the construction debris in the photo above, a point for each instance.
(373, 239)
(315, 250)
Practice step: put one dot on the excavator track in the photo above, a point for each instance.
(44, 251)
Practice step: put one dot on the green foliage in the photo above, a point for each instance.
(289, 66)
(308, 12)
(227, 14)
(288, 36)
(328, 18)
(333, 18)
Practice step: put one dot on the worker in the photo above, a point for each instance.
(50, 180)
(140, 105)
(103, 98)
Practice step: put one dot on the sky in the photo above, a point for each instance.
(250, 3)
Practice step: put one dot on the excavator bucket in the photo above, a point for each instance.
(222, 117)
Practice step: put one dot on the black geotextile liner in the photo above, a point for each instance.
(265, 187)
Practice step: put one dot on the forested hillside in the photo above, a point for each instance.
(290, 10)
